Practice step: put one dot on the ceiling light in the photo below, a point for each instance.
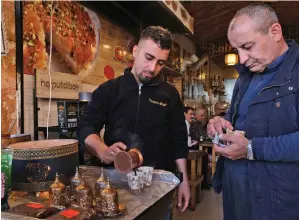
(106, 46)
(231, 59)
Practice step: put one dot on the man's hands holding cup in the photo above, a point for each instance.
(108, 155)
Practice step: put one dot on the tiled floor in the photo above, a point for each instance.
(210, 208)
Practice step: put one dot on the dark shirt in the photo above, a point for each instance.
(148, 117)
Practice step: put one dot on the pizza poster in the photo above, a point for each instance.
(81, 41)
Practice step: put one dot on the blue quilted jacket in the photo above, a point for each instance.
(272, 122)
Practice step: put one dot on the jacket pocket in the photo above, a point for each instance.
(285, 180)
(284, 115)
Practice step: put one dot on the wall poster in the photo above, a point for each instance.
(83, 42)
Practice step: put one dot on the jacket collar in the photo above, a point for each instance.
(285, 71)
(129, 75)
(283, 75)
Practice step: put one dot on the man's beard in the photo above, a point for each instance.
(144, 79)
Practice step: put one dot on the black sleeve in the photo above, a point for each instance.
(95, 113)
(178, 127)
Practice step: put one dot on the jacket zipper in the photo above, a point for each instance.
(139, 94)
(235, 112)
(138, 104)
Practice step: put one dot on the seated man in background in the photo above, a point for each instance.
(200, 114)
(189, 117)
(198, 127)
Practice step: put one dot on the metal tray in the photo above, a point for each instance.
(152, 203)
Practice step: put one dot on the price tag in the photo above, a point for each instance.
(69, 213)
(35, 205)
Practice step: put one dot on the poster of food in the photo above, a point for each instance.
(83, 43)
(8, 69)
(83, 46)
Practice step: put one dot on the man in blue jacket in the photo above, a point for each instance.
(259, 173)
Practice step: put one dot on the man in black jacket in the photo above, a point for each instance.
(140, 110)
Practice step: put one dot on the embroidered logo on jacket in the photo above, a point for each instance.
(157, 103)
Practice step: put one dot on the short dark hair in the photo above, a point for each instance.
(261, 14)
(159, 35)
(187, 108)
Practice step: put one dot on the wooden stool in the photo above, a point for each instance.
(208, 144)
(196, 176)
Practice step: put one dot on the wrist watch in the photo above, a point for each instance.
(249, 151)
(179, 175)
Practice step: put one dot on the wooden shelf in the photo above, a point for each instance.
(137, 15)
(170, 72)
(169, 21)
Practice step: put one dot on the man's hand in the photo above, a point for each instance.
(183, 190)
(216, 124)
(183, 195)
(237, 148)
(108, 155)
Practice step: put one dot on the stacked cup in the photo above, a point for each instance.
(146, 173)
(142, 177)
(134, 182)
